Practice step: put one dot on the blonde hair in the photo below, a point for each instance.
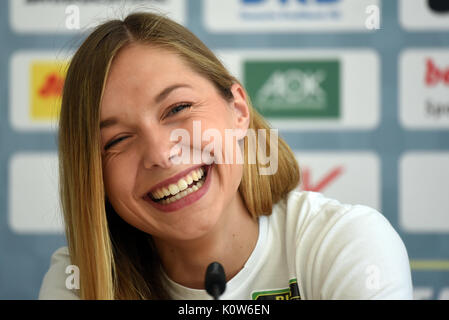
(116, 260)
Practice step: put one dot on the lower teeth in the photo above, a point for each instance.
(184, 193)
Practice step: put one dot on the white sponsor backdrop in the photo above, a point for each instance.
(34, 209)
(387, 148)
(60, 17)
(423, 197)
(416, 15)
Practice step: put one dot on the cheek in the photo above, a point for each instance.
(237, 173)
(118, 179)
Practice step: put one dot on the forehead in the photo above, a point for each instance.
(139, 72)
(145, 62)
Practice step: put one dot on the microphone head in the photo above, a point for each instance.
(215, 282)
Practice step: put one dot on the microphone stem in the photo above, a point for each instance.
(216, 292)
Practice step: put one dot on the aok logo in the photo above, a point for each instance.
(46, 84)
(285, 89)
(436, 74)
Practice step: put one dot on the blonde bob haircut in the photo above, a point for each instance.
(116, 260)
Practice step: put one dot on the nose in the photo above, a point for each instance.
(157, 149)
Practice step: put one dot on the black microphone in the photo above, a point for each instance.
(215, 282)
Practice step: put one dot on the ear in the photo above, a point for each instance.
(240, 108)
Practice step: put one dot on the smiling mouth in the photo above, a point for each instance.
(185, 186)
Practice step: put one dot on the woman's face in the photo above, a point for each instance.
(148, 94)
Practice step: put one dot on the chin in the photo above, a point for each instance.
(196, 227)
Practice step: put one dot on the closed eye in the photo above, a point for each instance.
(173, 111)
(114, 142)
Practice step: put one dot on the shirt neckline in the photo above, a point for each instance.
(178, 291)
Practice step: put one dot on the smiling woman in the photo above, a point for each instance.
(140, 226)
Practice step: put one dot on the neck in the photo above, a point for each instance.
(230, 243)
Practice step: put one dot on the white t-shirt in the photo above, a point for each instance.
(310, 247)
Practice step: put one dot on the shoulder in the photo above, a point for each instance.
(309, 210)
(344, 251)
(311, 213)
(54, 283)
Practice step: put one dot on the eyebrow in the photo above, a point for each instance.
(161, 96)
(108, 122)
(164, 93)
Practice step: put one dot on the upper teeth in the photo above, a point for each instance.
(181, 185)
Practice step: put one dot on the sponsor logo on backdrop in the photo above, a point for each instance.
(294, 89)
(349, 177)
(47, 82)
(292, 15)
(437, 76)
(424, 14)
(325, 181)
(76, 15)
(272, 10)
(36, 84)
(424, 88)
(310, 89)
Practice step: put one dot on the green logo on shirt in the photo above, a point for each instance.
(290, 293)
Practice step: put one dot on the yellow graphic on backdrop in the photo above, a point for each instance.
(429, 265)
(47, 82)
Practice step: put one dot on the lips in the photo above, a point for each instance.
(184, 186)
(174, 179)
(184, 198)
(157, 191)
